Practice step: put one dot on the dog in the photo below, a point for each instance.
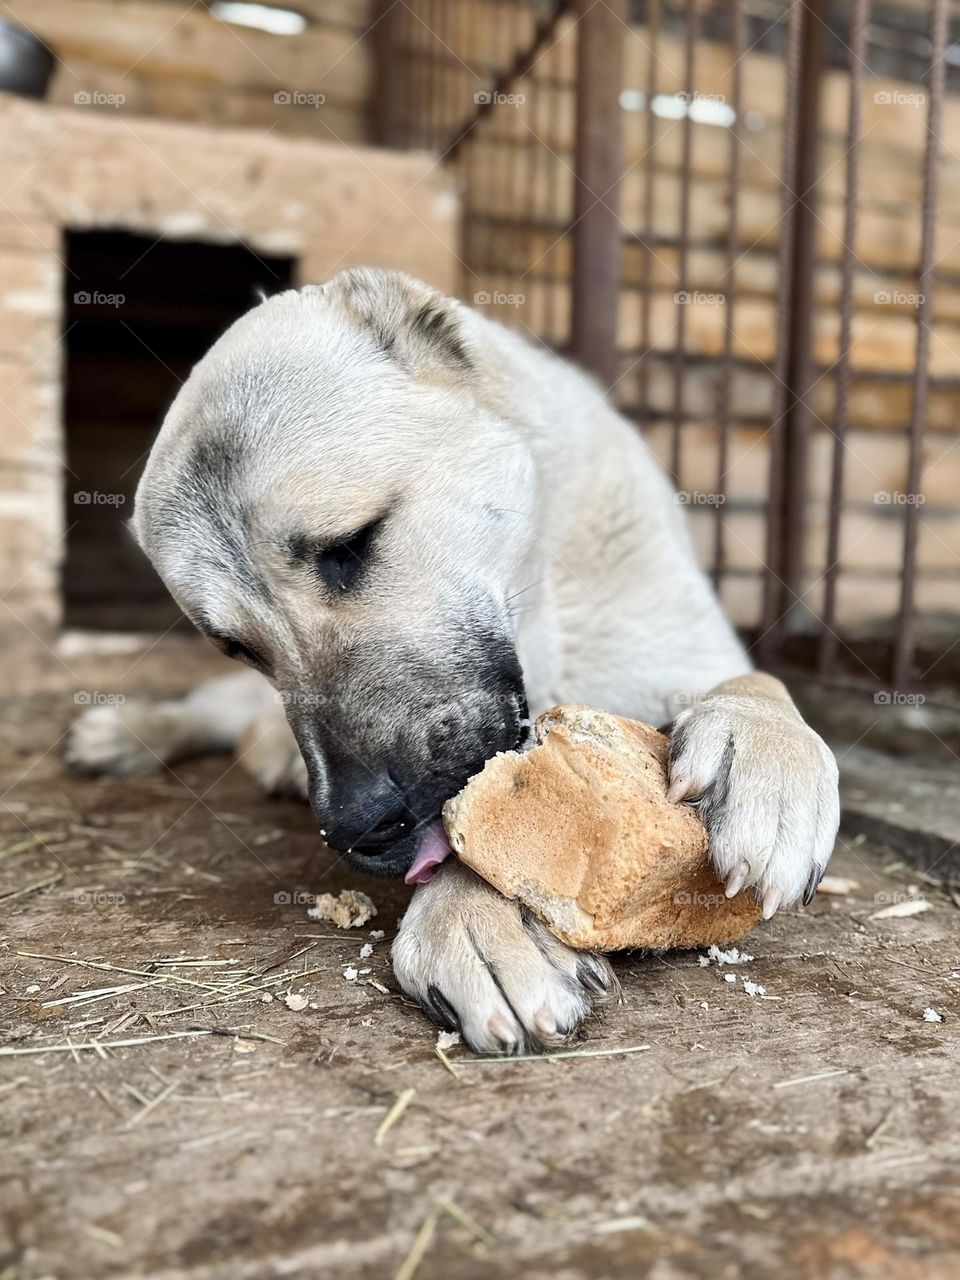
(418, 529)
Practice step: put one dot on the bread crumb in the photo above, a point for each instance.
(931, 1015)
(349, 909)
(366, 951)
(266, 998)
(753, 988)
(729, 977)
(733, 956)
(704, 1005)
(295, 1001)
(377, 935)
(447, 1039)
(350, 973)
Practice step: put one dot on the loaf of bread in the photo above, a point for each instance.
(580, 831)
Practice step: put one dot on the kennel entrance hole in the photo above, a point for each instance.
(138, 314)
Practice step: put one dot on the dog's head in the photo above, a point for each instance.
(335, 500)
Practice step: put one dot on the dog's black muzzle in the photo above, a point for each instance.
(376, 814)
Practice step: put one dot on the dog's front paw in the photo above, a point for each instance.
(131, 738)
(475, 962)
(268, 750)
(765, 786)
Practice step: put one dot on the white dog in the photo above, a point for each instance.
(414, 524)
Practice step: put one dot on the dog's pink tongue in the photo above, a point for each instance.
(434, 848)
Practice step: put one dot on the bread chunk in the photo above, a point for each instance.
(580, 831)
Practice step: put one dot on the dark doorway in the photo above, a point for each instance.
(139, 314)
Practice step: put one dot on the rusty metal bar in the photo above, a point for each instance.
(799, 420)
(904, 640)
(545, 105)
(388, 108)
(598, 164)
(559, 330)
(540, 159)
(508, 75)
(737, 43)
(649, 169)
(793, 314)
(859, 17)
(680, 299)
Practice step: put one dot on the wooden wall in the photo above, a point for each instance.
(174, 59)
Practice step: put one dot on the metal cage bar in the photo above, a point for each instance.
(598, 165)
(691, 23)
(829, 639)
(904, 638)
(540, 212)
(724, 404)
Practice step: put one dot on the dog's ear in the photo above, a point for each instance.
(410, 322)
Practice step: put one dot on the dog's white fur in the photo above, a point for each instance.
(549, 512)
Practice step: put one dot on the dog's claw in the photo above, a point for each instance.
(679, 789)
(737, 878)
(771, 901)
(816, 875)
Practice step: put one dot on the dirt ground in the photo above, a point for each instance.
(809, 1130)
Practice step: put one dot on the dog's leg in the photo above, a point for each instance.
(269, 753)
(475, 961)
(135, 737)
(765, 784)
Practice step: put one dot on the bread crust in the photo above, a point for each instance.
(580, 831)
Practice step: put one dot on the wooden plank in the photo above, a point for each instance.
(161, 38)
(178, 98)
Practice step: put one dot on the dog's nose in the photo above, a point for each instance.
(370, 816)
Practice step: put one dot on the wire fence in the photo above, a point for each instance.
(744, 219)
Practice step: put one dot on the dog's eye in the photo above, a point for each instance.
(240, 651)
(340, 564)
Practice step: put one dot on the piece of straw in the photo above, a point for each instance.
(392, 1116)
